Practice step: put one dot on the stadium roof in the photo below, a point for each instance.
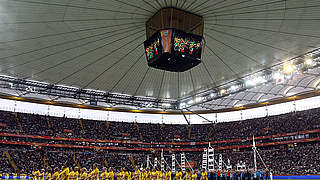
(98, 45)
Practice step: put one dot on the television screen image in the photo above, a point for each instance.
(174, 50)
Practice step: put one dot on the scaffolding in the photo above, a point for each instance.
(205, 159)
(148, 161)
(162, 161)
(183, 163)
(210, 158)
(255, 153)
(173, 167)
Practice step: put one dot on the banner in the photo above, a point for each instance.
(14, 176)
(166, 38)
(154, 149)
(157, 143)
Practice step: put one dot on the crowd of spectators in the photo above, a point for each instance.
(80, 128)
(295, 159)
(282, 159)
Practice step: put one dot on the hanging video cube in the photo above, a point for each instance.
(173, 50)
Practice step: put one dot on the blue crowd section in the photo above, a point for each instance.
(298, 177)
(15, 177)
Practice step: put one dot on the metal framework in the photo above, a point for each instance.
(25, 86)
(36, 87)
(225, 90)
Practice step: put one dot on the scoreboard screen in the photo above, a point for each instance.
(153, 47)
(187, 44)
(173, 50)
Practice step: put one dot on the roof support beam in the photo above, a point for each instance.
(185, 117)
(201, 116)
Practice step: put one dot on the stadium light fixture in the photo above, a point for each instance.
(259, 80)
(223, 91)
(166, 105)
(250, 82)
(148, 104)
(190, 102)
(255, 81)
(234, 87)
(308, 61)
(277, 75)
(182, 105)
(198, 99)
(288, 68)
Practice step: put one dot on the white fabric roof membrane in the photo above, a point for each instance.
(99, 44)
